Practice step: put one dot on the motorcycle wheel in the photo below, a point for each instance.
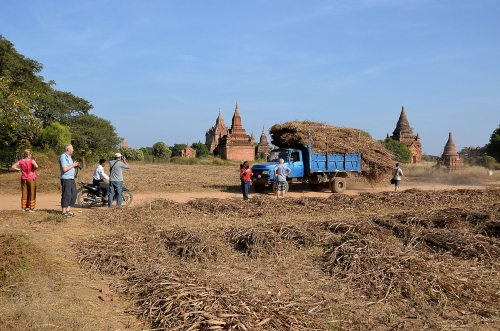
(127, 198)
(80, 198)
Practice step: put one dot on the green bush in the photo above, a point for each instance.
(400, 150)
(487, 162)
(161, 150)
(201, 149)
(54, 137)
(184, 160)
(132, 154)
(148, 154)
(218, 161)
(177, 148)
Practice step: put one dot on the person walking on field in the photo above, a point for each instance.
(68, 185)
(280, 173)
(245, 176)
(116, 178)
(397, 173)
(27, 165)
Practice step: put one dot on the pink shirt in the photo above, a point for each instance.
(26, 169)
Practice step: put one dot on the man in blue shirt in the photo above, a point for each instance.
(67, 166)
(280, 173)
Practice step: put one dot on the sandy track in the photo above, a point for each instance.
(53, 200)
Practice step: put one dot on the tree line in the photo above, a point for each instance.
(34, 114)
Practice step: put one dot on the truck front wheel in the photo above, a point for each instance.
(259, 188)
(316, 187)
(337, 185)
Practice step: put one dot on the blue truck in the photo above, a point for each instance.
(320, 170)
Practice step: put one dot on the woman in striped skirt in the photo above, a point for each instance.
(27, 165)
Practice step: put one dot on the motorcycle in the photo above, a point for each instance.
(90, 195)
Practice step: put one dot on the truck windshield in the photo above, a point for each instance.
(276, 155)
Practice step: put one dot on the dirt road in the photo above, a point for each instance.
(53, 200)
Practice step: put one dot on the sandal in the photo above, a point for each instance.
(68, 214)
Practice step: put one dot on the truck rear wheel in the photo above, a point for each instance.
(337, 185)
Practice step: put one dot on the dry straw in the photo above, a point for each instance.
(416, 251)
(377, 160)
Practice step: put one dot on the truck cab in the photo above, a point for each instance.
(263, 173)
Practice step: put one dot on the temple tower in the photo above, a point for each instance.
(236, 144)
(404, 133)
(214, 133)
(263, 146)
(450, 158)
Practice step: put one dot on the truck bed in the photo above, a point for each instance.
(336, 162)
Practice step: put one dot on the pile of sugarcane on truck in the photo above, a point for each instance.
(320, 170)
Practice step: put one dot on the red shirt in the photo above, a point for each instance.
(246, 174)
(27, 169)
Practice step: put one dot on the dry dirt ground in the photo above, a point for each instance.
(52, 200)
(180, 258)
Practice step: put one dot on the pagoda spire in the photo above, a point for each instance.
(450, 149)
(402, 127)
(236, 123)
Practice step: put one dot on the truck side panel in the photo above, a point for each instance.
(336, 162)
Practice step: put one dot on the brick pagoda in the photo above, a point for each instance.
(124, 143)
(188, 152)
(216, 132)
(404, 133)
(236, 144)
(474, 152)
(450, 159)
(263, 146)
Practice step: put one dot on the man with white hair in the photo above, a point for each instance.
(280, 173)
(116, 178)
(68, 185)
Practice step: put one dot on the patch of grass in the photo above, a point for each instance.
(470, 175)
(17, 255)
(41, 285)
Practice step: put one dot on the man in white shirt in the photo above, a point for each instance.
(99, 176)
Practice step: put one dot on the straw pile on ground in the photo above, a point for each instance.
(416, 260)
(377, 160)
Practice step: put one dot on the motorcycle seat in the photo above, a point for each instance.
(92, 186)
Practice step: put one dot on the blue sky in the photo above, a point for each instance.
(160, 70)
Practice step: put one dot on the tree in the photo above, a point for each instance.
(161, 150)
(493, 147)
(18, 126)
(400, 150)
(27, 102)
(56, 105)
(132, 154)
(177, 148)
(92, 136)
(148, 153)
(20, 85)
(54, 137)
(201, 149)
(486, 161)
